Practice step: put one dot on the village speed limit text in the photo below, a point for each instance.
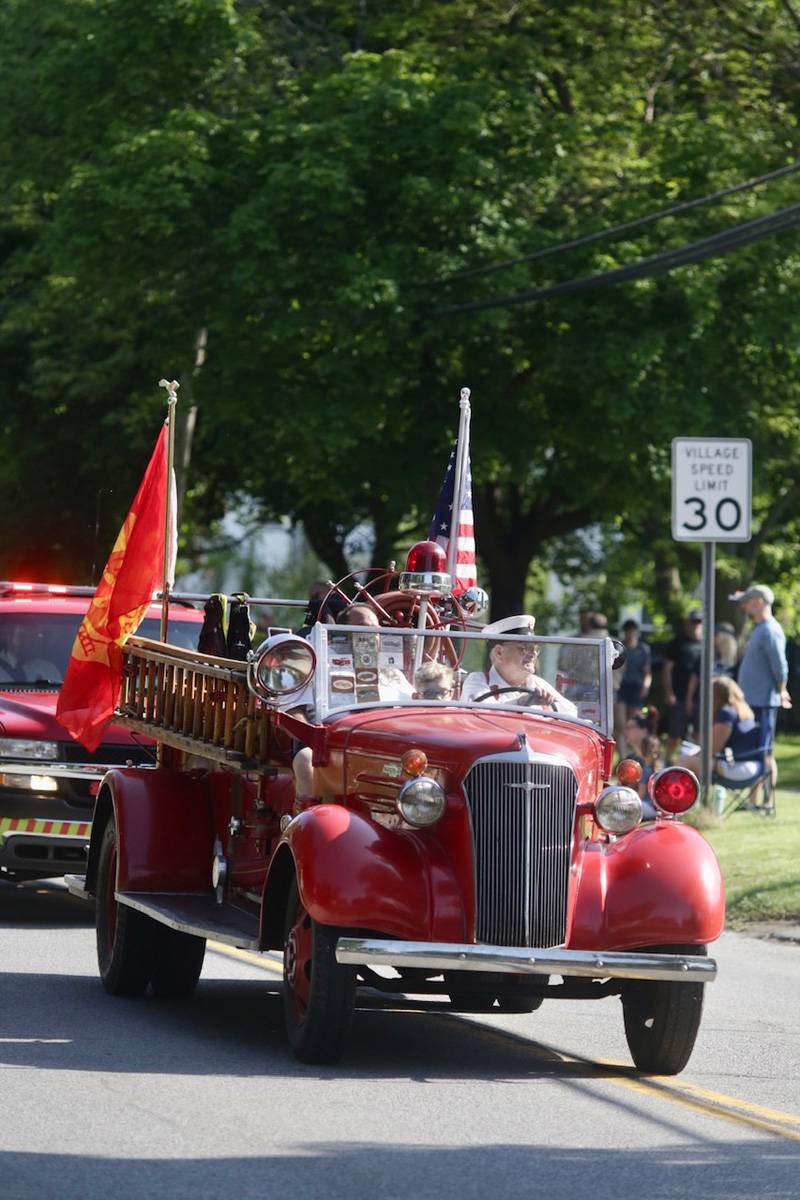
(711, 489)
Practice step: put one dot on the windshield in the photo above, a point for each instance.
(35, 647)
(356, 667)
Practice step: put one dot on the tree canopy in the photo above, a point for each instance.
(311, 188)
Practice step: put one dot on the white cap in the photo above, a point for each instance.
(522, 624)
(756, 591)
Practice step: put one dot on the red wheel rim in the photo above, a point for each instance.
(297, 963)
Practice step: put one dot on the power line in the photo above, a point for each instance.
(587, 239)
(659, 264)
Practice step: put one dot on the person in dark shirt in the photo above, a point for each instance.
(636, 679)
(681, 662)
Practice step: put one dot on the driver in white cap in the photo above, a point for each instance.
(510, 676)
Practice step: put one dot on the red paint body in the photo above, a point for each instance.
(658, 885)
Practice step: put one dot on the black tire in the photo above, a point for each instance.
(125, 938)
(319, 994)
(515, 997)
(177, 963)
(662, 1019)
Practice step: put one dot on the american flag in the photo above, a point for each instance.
(441, 525)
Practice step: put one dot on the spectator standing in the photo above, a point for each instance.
(637, 676)
(681, 663)
(763, 671)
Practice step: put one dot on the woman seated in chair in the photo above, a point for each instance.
(736, 738)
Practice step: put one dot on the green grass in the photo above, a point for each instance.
(760, 856)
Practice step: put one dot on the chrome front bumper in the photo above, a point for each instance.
(436, 957)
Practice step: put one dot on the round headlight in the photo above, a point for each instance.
(421, 801)
(284, 664)
(618, 809)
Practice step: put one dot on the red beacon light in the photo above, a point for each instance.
(426, 571)
(673, 790)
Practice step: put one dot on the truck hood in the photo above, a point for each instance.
(33, 715)
(455, 738)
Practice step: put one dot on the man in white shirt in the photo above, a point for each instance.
(510, 676)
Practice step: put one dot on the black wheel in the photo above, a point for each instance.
(662, 1019)
(177, 963)
(516, 997)
(125, 938)
(477, 993)
(471, 991)
(319, 994)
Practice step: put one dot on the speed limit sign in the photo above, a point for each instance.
(711, 489)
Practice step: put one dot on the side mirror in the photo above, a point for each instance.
(282, 665)
(475, 602)
(620, 655)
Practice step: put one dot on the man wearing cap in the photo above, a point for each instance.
(681, 664)
(763, 670)
(510, 676)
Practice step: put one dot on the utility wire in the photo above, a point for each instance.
(659, 264)
(683, 206)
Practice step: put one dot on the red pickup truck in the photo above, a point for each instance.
(48, 782)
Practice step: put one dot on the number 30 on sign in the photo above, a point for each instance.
(711, 489)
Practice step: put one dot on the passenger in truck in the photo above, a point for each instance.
(433, 681)
(510, 673)
(392, 685)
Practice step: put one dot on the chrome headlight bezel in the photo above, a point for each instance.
(618, 809)
(421, 802)
(28, 748)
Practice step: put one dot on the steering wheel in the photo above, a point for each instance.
(535, 694)
(403, 611)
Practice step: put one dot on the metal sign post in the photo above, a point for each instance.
(711, 502)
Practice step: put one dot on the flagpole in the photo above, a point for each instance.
(172, 402)
(458, 482)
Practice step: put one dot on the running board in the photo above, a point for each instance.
(76, 886)
(189, 912)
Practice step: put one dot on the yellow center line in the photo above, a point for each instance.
(689, 1095)
(248, 956)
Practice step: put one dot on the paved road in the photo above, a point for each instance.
(113, 1098)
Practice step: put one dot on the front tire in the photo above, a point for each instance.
(125, 938)
(662, 1019)
(318, 993)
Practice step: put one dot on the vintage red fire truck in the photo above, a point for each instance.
(473, 846)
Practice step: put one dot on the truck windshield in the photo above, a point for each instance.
(35, 647)
(371, 666)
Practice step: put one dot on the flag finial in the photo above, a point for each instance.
(465, 395)
(172, 386)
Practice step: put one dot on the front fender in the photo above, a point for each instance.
(353, 873)
(165, 830)
(660, 885)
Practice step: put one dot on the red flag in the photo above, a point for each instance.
(94, 674)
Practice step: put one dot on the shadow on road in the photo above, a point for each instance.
(714, 1171)
(42, 904)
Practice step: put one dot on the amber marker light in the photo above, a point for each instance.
(629, 772)
(414, 762)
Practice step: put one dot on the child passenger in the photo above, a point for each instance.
(433, 681)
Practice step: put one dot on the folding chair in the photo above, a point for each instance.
(743, 790)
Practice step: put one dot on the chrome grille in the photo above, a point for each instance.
(522, 819)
